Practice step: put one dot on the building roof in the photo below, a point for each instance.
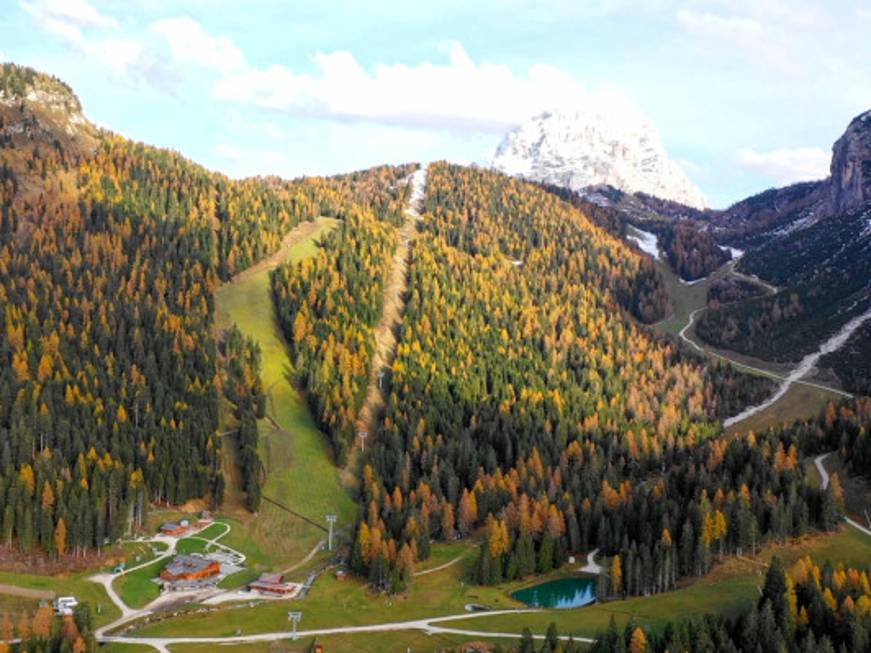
(170, 526)
(271, 578)
(188, 564)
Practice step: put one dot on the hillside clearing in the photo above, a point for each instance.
(300, 471)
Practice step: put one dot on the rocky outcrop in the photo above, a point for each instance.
(850, 184)
(779, 212)
(584, 148)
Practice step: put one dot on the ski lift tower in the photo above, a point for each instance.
(294, 618)
(331, 520)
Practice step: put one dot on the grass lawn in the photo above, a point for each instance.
(727, 589)
(685, 298)
(77, 585)
(136, 589)
(117, 647)
(191, 545)
(15, 605)
(726, 597)
(442, 553)
(336, 603)
(394, 642)
(799, 402)
(135, 553)
(215, 531)
(198, 542)
(300, 470)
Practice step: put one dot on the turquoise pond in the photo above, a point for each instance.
(560, 593)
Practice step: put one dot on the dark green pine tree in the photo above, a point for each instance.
(526, 643)
(774, 591)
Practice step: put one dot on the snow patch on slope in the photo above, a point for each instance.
(646, 241)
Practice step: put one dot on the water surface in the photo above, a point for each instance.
(566, 592)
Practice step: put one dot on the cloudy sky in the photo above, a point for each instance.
(746, 94)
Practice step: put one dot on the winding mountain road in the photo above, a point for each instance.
(805, 366)
(824, 483)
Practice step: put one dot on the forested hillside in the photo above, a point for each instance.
(327, 307)
(523, 399)
(692, 253)
(809, 608)
(109, 255)
(824, 272)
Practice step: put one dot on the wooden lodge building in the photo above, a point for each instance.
(274, 584)
(190, 567)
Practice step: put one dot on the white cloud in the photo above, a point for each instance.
(77, 13)
(458, 93)
(68, 18)
(779, 33)
(722, 27)
(189, 42)
(787, 165)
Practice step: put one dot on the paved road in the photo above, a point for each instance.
(429, 626)
(129, 614)
(106, 580)
(824, 476)
(592, 567)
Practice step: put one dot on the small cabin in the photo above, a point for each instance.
(174, 528)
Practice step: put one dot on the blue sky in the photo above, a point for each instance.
(746, 94)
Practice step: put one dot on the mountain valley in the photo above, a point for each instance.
(395, 397)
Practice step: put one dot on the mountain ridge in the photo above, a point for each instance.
(582, 148)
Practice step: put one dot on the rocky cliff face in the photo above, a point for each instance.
(34, 105)
(850, 184)
(583, 148)
(779, 212)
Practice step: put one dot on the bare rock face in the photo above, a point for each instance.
(584, 148)
(850, 185)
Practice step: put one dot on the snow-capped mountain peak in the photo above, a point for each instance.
(587, 147)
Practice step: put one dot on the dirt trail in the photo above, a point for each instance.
(750, 278)
(299, 233)
(824, 483)
(26, 592)
(393, 307)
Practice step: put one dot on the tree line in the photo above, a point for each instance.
(44, 632)
(243, 389)
(807, 609)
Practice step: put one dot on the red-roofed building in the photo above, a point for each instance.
(273, 584)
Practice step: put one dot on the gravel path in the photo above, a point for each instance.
(824, 478)
(805, 366)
